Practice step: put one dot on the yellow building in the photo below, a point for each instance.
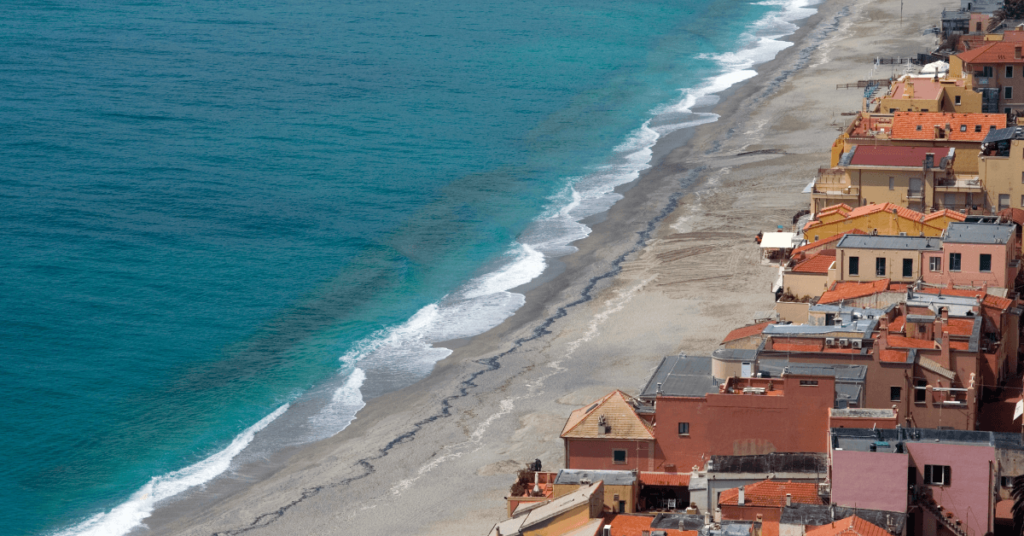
(620, 487)
(953, 93)
(883, 219)
(1001, 170)
(556, 517)
(866, 258)
(917, 177)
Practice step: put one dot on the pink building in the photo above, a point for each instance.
(952, 478)
(974, 254)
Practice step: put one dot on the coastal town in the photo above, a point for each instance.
(882, 395)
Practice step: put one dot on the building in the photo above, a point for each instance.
(954, 478)
(916, 176)
(953, 93)
(850, 526)
(808, 277)
(578, 511)
(620, 487)
(861, 258)
(887, 219)
(609, 435)
(975, 255)
(996, 71)
(800, 519)
(728, 472)
(1001, 169)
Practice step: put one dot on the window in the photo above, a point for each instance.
(892, 183)
(1007, 93)
(949, 200)
(908, 267)
(879, 265)
(935, 264)
(963, 128)
(921, 328)
(1004, 201)
(985, 262)
(957, 99)
(918, 127)
(1009, 71)
(808, 383)
(684, 428)
(977, 25)
(920, 391)
(1006, 481)
(977, 128)
(936, 475)
(854, 265)
(988, 71)
(618, 456)
(895, 393)
(954, 262)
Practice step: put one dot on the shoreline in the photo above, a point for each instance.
(612, 268)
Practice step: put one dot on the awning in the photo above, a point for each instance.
(665, 479)
(778, 240)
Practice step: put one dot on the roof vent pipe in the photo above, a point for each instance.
(741, 500)
(789, 499)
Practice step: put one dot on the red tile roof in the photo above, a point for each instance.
(772, 493)
(665, 479)
(899, 341)
(848, 290)
(952, 214)
(635, 525)
(996, 302)
(746, 331)
(964, 293)
(816, 264)
(826, 241)
(886, 207)
(960, 327)
(893, 156)
(769, 528)
(963, 127)
(850, 526)
(997, 52)
(815, 345)
(897, 324)
(963, 346)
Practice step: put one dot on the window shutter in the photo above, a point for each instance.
(945, 474)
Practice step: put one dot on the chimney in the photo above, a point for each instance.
(695, 473)
(497, 531)
(718, 514)
(707, 520)
(536, 483)
(908, 91)
(1016, 52)
(741, 500)
(789, 499)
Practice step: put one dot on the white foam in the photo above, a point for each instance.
(131, 513)
(345, 403)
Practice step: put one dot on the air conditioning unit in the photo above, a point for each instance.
(856, 343)
(843, 343)
(830, 341)
(903, 234)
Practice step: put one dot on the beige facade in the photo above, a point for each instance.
(897, 265)
(1003, 177)
(800, 285)
(915, 188)
(614, 496)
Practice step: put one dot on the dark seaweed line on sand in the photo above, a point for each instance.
(493, 363)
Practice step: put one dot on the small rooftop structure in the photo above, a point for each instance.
(817, 515)
(980, 233)
(581, 476)
(780, 240)
(775, 462)
(611, 417)
(863, 439)
(548, 510)
(681, 375)
(772, 493)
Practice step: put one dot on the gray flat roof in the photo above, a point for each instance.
(860, 439)
(673, 521)
(909, 243)
(681, 376)
(863, 412)
(861, 326)
(610, 478)
(842, 373)
(979, 233)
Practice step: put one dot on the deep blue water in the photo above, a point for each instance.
(210, 209)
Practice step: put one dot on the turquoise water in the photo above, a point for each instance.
(214, 210)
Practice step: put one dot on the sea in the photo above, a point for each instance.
(226, 225)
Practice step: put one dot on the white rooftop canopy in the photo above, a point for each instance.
(778, 240)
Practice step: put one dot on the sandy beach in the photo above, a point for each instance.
(670, 268)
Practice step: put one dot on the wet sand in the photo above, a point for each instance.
(671, 268)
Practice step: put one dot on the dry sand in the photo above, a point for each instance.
(671, 269)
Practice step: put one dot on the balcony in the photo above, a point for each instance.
(971, 184)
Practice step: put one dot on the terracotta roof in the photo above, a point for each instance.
(850, 526)
(960, 345)
(997, 52)
(924, 88)
(890, 355)
(816, 264)
(618, 414)
(826, 241)
(813, 345)
(886, 207)
(895, 156)
(897, 324)
(848, 290)
(963, 127)
(996, 302)
(964, 293)
(899, 341)
(837, 207)
(960, 327)
(665, 479)
(947, 213)
(635, 525)
(769, 528)
(1015, 215)
(746, 331)
(772, 493)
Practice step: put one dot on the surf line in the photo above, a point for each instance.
(493, 363)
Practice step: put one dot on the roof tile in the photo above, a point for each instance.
(772, 493)
(618, 414)
(816, 264)
(963, 127)
(826, 241)
(848, 290)
(850, 526)
(746, 331)
(897, 156)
